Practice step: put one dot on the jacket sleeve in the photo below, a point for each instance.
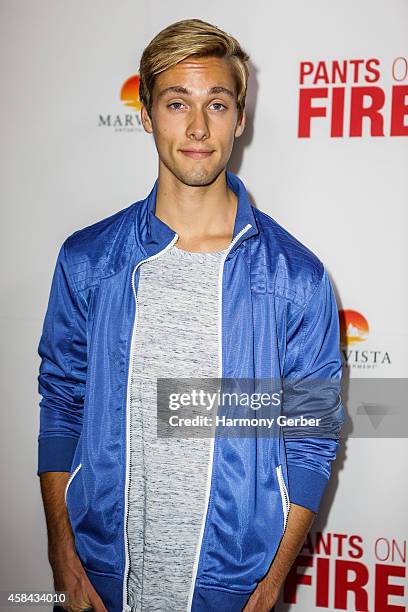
(313, 375)
(62, 374)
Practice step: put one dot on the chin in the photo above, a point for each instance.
(198, 177)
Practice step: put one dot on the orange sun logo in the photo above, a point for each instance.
(129, 94)
(353, 327)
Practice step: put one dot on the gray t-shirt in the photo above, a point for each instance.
(176, 337)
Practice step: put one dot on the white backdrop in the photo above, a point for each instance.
(74, 152)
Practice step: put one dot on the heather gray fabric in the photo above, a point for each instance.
(176, 336)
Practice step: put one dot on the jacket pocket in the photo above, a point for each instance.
(284, 495)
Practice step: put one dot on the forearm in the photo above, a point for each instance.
(68, 571)
(298, 525)
(60, 536)
(267, 591)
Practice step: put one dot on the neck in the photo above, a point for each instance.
(202, 216)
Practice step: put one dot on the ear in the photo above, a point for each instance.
(240, 125)
(146, 120)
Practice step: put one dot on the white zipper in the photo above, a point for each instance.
(208, 485)
(126, 607)
(70, 479)
(284, 495)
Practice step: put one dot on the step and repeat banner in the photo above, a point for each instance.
(324, 153)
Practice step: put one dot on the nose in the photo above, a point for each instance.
(197, 128)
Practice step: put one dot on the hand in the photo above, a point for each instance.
(70, 576)
(263, 598)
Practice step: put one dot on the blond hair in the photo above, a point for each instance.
(186, 38)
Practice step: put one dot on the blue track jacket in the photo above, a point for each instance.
(278, 320)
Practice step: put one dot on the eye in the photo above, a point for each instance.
(173, 104)
(218, 104)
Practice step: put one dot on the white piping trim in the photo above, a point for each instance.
(126, 607)
(70, 479)
(210, 464)
(284, 495)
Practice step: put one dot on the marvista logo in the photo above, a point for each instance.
(353, 327)
(354, 330)
(130, 121)
(129, 94)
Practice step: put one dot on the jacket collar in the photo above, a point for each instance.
(152, 234)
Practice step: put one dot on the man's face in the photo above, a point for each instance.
(194, 118)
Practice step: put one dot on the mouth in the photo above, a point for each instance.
(196, 153)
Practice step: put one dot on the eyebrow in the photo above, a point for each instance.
(182, 90)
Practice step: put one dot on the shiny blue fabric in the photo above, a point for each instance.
(279, 320)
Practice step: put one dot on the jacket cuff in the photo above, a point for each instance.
(55, 454)
(306, 487)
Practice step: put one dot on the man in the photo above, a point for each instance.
(192, 281)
